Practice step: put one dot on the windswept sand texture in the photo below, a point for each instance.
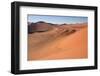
(67, 41)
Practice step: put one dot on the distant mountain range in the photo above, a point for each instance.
(42, 26)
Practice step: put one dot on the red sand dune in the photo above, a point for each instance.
(62, 42)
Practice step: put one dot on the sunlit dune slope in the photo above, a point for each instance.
(63, 42)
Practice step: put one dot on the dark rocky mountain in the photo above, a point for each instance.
(39, 27)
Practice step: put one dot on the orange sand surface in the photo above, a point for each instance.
(58, 44)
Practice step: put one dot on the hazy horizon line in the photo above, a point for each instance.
(59, 23)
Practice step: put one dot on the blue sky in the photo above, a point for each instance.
(57, 19)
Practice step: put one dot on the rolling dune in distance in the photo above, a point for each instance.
(67, 41)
